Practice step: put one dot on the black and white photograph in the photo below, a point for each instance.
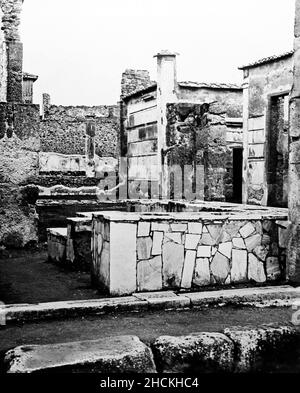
(149, 193)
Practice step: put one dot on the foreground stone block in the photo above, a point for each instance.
(256, 345)
(198, 352)
(122, 354)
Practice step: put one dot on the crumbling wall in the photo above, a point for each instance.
(63, 129)
(134, 80)
(19, 147)
(265, 81)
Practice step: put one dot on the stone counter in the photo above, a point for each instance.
(136, 252)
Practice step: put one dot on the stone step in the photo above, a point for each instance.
(123, 354)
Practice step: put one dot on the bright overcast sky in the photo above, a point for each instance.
(79, 48)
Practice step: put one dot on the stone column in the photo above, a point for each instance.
(245, 138)
(293, 265)
(166, 94)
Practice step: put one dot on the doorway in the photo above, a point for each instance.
(237, 174)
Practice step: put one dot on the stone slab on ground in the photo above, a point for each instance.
(256, 345)
(194, 353)
(164, 300)
(122, 354)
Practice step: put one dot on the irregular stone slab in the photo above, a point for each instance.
(273, 269)
(215, 232)
(238, 242)
(143, 229)
(207, 240)
(204, 252)
(156, 226)
(164, 300)
(175, 237)
(195, 227)
(283, 236)
(173, 260)
(122, 354)
(261, 252)
(197, 352)
(220, 267)
(225, 249)
(254, 344)
(256, 269)
(144, 245)
(233, 227)
(202, 272)
(252, 242)
(157, 243)
(239, 266)
(191, 241)
(188, 269)
(247, 230)
(149, 274)
(178, 227)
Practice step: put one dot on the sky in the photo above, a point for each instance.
(79, 48)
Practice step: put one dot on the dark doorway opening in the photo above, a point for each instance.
(237, 175)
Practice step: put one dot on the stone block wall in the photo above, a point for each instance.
(63, 129)
(183, 252)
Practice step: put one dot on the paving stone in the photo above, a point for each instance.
(179, 227)
(273, 269)
(247, 230)
(265, 240)
(239, 266)
(220, 267)
(164, 300)
(238, 242)
(156, 226)
(204, 252)
(256, 345)
(267, 225)
(224, 237)
(202, 272)
(175, 237)
(188, 269)
(173, 260)
(125, 354)
(213, 251)
(225, 249)
(195, 228)
(215, 232)
(149, 274)
(233, 227)
(157, 243)
(252, 242)
(191, 241)
(144, 245)
(208, 352)
(143, 229)
(207, 240)
(204, 230)
(256, 269)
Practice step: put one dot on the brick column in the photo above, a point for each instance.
(293, 267)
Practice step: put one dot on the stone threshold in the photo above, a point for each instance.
(279, 296)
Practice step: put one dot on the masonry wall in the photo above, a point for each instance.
(19, 165)
(264, 82)
(63, 129)
(3, 62)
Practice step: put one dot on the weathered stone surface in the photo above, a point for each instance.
(175, 237)
(143, 229)
(232, 228)
(273, 269)
(207, 240)
(191, 241)
(179, 227)
(173, 260)
(254, 344)
(247, 230)
(202, 272)
(215, 232)
(204, 252)
(188, 269)
(166, 300)
(149, 274)
(239, 266)
(157, 226)
(220, 267)
(157, 243)
(238, 242)
(198, 352)
(252, 242)
(123, 354)
(283, 237)
(261, 252)
(144, 245)
(195, 227)
(256, 270)
(225, 249)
